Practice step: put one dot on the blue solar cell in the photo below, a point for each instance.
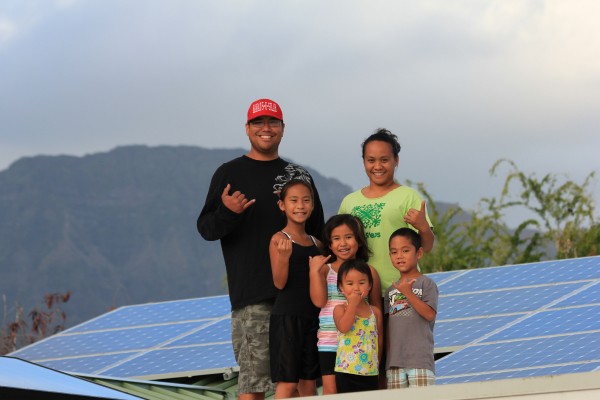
(574, 348)
(66, 345)
(554, 370)
(502, 301)
(524, 274)
(176, 360)
(441, 277)
(213, 333)
(86, 364)
(553, 322)
(463, 331)
(159, 313)
(590, 295)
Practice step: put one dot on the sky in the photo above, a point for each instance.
(462, 83)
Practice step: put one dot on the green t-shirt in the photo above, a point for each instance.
(381, 216)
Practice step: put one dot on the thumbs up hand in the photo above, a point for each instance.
(417, 218)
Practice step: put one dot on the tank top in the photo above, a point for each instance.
(327, 333)
(357, 348)
(294, 298)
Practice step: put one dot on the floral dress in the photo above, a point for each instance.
(357, 348)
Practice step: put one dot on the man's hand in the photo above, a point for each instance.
(236, 202)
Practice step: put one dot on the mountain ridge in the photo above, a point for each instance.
(115, 227)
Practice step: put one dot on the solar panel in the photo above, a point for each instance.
(22, 379)
(144, 340)
(457, 333)
(502, 322)
(517, 321)
(553, 322)
(521, 373)
(495, 302)
(180, 361)
(521, 354)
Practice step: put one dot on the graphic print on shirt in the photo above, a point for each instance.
(399, 305)
(293, 171)
(370, 215)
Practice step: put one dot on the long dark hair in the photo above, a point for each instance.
(356, 226)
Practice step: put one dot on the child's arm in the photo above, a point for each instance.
(379, 318)
(418, 219)
(424, 310)
(318, 280)
(343, 314)
(280, 250)
(375, 296)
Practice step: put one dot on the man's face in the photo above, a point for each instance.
(265, 134)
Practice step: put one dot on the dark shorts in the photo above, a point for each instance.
(250, 339)
(348, 383)
(293, 348)
(327, 362)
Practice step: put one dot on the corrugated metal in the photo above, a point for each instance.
(211, 387)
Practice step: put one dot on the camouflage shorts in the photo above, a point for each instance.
(250, 339)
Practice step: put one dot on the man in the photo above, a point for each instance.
(241, 211)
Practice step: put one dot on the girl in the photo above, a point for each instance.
(343, 239)
(359, 325)
(294, 319)
(385, 205)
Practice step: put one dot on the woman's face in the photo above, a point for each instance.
(380, 162)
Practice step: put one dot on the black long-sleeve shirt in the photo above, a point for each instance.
(245, 237)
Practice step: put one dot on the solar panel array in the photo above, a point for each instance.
(21, 379)
(519, 320)
(150, 341)
(502, 322)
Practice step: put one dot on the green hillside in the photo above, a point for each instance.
(114, 228)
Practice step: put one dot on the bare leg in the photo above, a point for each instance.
(307, 388)
(285, 390)
(251, 396)
(329, 384)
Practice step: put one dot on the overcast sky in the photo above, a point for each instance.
(462, 83)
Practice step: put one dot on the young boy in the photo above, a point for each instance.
(411, 304)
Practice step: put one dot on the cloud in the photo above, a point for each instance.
(8, 29)
(462, 83)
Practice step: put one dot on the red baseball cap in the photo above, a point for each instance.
(264, 107)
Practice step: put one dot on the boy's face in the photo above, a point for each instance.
(404, 255)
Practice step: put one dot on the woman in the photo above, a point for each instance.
(384, 205)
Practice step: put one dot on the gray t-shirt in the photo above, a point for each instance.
(410, 335)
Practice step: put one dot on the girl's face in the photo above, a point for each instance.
(297, 204)
(355, 282)
(380, 162)
(343, 243)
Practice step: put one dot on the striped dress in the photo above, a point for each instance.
(327, 334)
